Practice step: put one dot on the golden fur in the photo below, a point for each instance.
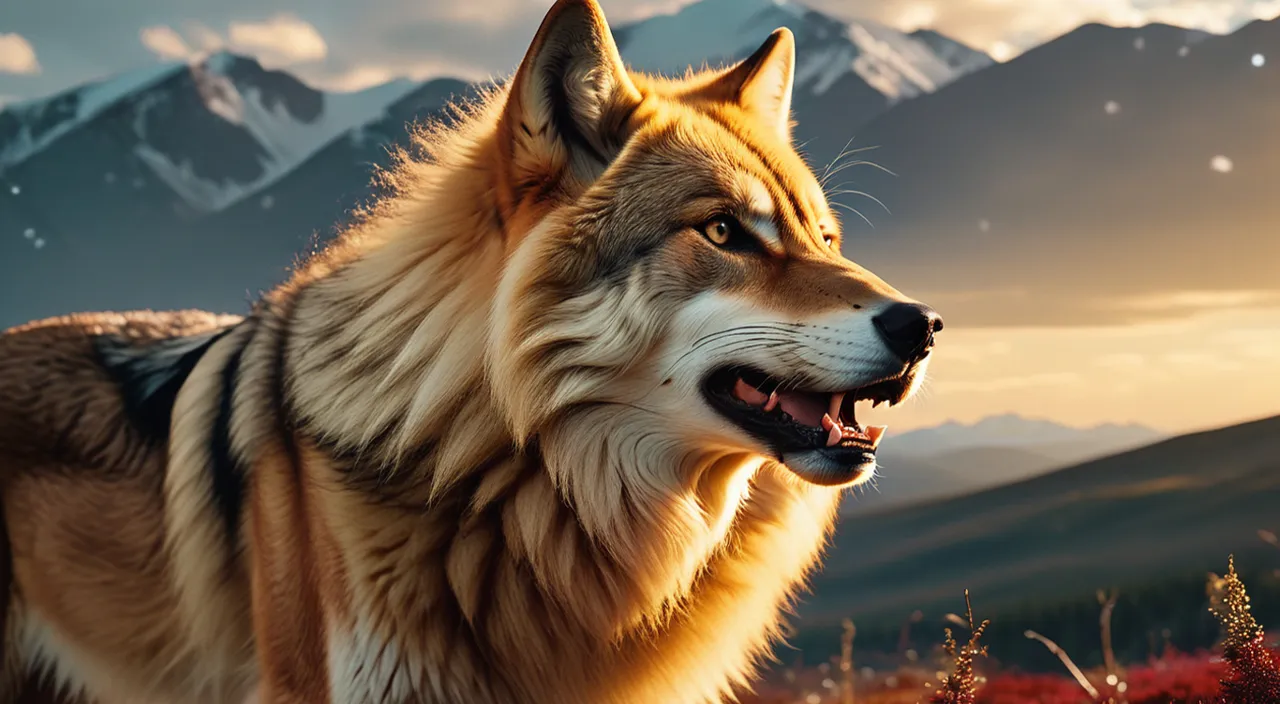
(459, 456)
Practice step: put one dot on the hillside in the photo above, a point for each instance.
(960, 458)
(904, 478)
(1169, 510)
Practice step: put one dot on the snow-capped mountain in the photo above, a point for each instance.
(199, 137)
(829, 51)
(221, 171)
(27, 127)
(163, 201)
(211, 131)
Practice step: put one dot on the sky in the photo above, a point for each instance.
(48, 45)
(1216, 362)
(1210, 369)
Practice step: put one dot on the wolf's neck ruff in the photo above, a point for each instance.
(385, 371)
(597, 535)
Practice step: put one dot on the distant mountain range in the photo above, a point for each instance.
(847, 72)
(1012, 430)
(1170, 509)
(179, 185)
(212, 131)
(197, 184)
(957, 458)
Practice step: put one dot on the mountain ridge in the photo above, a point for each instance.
(963, 152)
(224, 172)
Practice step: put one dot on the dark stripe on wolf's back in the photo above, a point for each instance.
(225, 470)
(150, 374)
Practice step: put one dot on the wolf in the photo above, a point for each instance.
(564, 416)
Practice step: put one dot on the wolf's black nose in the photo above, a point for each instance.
(908, 328)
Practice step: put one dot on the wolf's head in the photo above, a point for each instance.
(675, 290)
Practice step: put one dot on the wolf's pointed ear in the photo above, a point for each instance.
(571, 97)
(762, 83)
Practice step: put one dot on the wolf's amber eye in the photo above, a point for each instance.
(721, 230)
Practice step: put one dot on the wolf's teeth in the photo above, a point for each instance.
(874, 433)
(828, 423)
(835, 434)
(833, 407)
(772, 403)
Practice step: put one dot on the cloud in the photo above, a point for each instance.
(1208, 370)
(1005, 28)
(631, 10)
(369, 75)
(1122, 361)
(1208, 360)
(164, 42)
(1198, 301)
(976, 353)
(345, 43)
(1007, 383)
(17, 55)
(1058, 304)
(282, 40)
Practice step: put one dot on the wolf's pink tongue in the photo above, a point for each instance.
(748, 393)
(804, 408)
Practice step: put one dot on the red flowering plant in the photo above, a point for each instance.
(1253, 669)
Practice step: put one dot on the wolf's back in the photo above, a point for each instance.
(70, 387)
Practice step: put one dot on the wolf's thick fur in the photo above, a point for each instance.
(461, 455)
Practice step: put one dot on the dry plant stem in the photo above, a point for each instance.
(961, 686)
(1066, 660)
(904, 636)
(846, 661)
(1104, 619)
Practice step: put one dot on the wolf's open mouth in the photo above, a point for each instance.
(796, 420)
